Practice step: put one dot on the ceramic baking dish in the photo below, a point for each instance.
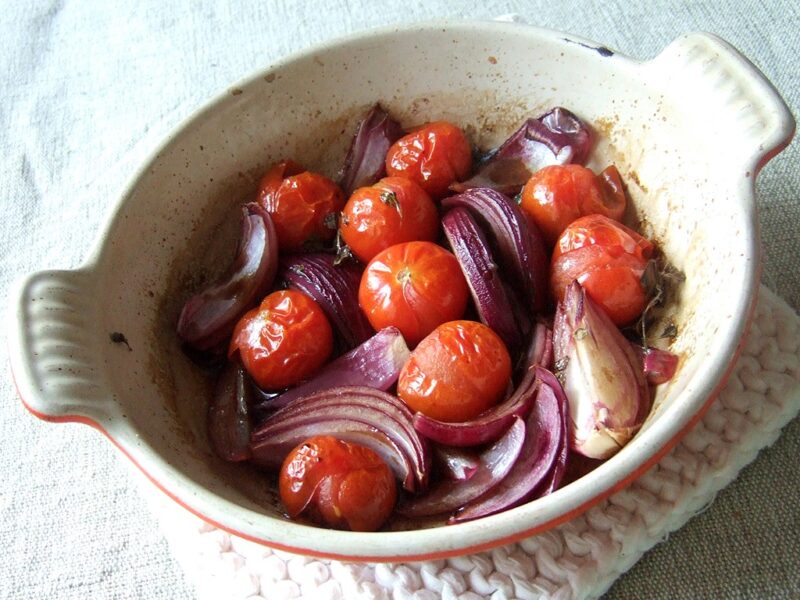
(689, 131)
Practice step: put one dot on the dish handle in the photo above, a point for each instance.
(726, 90)
(54, 348)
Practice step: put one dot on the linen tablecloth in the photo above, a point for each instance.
(88, 89)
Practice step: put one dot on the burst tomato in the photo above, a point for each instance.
(283, 341)
(303, 205)
(557, 195)
(456, 373)
(597, 230)
(392, 211)
(608, 260)
(338, 484)
(434, 155)
(415, 286)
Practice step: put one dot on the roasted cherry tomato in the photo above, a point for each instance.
(434, 155)
(461, 369)
(415, 286)
(597, 230)
(557, 195)
(338, 484)
(608, 260)
(303, 205)
(392, 211)
(283, 341)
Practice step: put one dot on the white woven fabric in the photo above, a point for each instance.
(580, 559)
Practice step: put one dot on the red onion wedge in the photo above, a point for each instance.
(659, 365)
(490, 425)
(365, 162)
(495, 463)
(228, 415)
(602, 374)
(208, 318)
(553, 480)
(482, 274)
(455, 463)
(520, 246)
(359, 414)
(334, 287)
(376, 364)
(556, 138)
(534, 464)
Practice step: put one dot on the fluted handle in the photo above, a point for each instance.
(55, 347)
(728, 94)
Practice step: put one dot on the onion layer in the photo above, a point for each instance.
(520, 246)
(555, 138)
(365, 162)
(208, 318)
(534, 464)
(659, 366)
(359, 414)
(494, 464)
(490, 425)
(452, 462)
(602, 375)
(228, 414)
(335, 288)
(376, 364)
(553, 479)
(482, 274)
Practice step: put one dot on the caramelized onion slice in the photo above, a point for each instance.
(208, 318)
(365, 162)
(534, 464)
(229, 415)
(520, 246)
(348, 413)
(335, 288)
(556, 138)
(376, 364)
(490, 425)
(659, 366)
(483, 276)
(494, 464)
(602, 374)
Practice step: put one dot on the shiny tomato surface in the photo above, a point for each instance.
(597, 230)
(392, 211)
(457, 372)
(414, 286)
(338, 484)
(608, 260)
(557, 195)
(283, 341)
(303, 205)
(434, 156)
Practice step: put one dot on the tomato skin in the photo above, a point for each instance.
(608, 260)
(434, 156)
(414, 286)
(457, 372)
(338, 484)
(303, 205)
(283, 341)
(558, 194)
(597, 230)
(392, 211)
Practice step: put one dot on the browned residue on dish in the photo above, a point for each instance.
(634, 176)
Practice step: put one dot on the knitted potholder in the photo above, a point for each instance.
(579, 559)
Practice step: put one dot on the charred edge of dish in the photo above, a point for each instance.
(601, 50)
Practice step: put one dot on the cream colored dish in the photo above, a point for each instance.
(689, 131)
